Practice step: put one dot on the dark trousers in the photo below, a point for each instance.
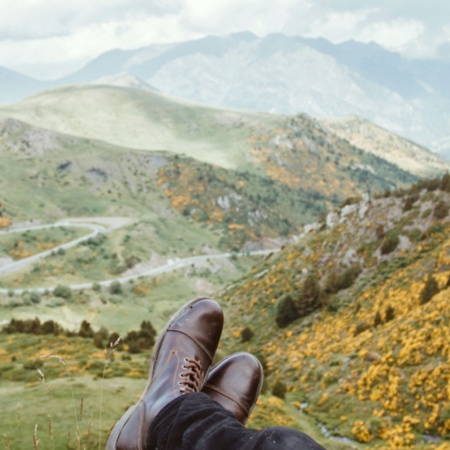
(196, 422)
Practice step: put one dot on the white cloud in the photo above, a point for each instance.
(68, 33)
(335, 26)
(88, 42)
(395, 35)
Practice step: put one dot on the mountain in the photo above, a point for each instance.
(291, 75)
(381, 142)
(352, 321)
(16, 86)
(124, 80)
(152, 121)
(234, 163)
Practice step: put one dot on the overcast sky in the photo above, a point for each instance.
(50, 38)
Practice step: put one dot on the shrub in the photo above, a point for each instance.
(389, 244)
(50, 327)
(389, 314)
(341, 280)
(86, 330)
(445, 183)
(430, 289)
(440, 210)
(115, 288)
(35, 297)
(379, 231)
(378, 320)
(62, 291)
(426, 214)
(279, 389)
(96, 287)
(286, 311)
(310, 295)
(246, 334)
(141, 340)
(361, 327)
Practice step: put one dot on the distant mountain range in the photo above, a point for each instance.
(281, 74)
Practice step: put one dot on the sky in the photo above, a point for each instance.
(51, 38)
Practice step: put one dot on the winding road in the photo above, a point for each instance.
(97, 229)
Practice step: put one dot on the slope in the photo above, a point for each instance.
(145, 120)
(353, 319)
(381, 142)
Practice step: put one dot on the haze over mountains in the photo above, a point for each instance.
(281, 74)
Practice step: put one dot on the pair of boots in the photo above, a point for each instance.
(180, 364)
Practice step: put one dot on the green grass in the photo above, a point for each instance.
(148, 298)
(22, 245)
(145, 120)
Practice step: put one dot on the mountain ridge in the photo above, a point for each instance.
(290, 75)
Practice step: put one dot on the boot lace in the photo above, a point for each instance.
(192, 377)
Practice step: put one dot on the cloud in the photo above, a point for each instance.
(74, 49)
(47, 18)
(69, 33)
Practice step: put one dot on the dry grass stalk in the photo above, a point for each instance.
(81, 408)
(19, 419)
(7, 441)
(50, 431)
(108, 353)
(58, 358)
(35, 438)
(42, 379)
(89, 427)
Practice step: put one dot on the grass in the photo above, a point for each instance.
(28, 243)
(153, 297)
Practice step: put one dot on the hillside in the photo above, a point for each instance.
(354, 319)
(384, 144)
(146, 120)
(283, 74)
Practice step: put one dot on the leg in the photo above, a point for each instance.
(196, 422)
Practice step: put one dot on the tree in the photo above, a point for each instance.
(430, 289)
(440, 210)
(286, 311)
(390, 314)
(445, 182)
(86, 330)
(310, 296)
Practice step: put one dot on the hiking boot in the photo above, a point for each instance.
(235, 383)
(181, 358)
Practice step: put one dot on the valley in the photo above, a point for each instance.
(130, 209)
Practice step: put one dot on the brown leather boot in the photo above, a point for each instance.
(181, 358)
(235, 383)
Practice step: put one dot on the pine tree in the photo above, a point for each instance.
(430, 289)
